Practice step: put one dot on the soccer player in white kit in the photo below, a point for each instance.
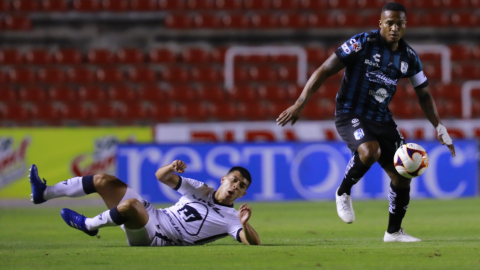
(202, 214)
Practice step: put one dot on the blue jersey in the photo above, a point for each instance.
(371, 75)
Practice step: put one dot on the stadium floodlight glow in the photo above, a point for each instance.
(467, 88)
(265, 50)
(444, 52)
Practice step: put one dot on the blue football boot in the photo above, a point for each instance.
(77, 221)
(38, 186)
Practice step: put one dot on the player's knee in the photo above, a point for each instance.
(370, 155)
(102, 180)
(130, 206)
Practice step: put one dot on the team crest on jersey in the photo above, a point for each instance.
(357, 46)
(404, 67)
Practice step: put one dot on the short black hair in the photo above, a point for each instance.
(393, 6)
(244, 172)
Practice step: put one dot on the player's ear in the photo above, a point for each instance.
(380, 23)
(221, 180)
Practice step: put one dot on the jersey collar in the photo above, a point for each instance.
(219, 203)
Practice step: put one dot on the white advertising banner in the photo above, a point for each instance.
(302, 131)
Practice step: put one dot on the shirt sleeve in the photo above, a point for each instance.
(415, 72)
(350, 50)
(188, 185)
(235, 228)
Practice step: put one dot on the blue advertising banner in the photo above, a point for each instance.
(294, 171)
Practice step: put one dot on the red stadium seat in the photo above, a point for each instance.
(349, 20)
(143, 5)
(3, 77)
(253, 111)
(257, 4)
(209, 20)
(54, 5)
(272, 92)
(21, 75)
(328, 90)
(253, 58)
(263, 73)
(195, 55)
(62, 93)
(321, 19)
(51, 75)
(316, 55)
(38, 57)
(80, 75)
(136, 111)
(45, 112)
(400, 109)
(86, 5)
(371, 4)
(17, 22)
(285, 4)
(91, 93)
(408, 4)
(175, 73)
(217, 55)
(162, 55)
(293, 91)
(8, 94)
(193, 111)
(264, 20)
(200, 4)
(243, 94)
(76, 111)
(5, 5)
(10, 57)
(430, 4)
(229, 4)
(25, 5)
(465, 19)
(293, 20)
(212, 93)
(115, 5)
(288, 73)
(151, 92)
(130, 56)
(344, 4)
(235, 21)
(181, 93)
(466, 71)
(164, 112)
(102, 111)
(68, 56)
(178, 21)
(279, 107)
(460, 52)
(142, 74)
(226, 111)
(436, 19)
(110, 75)
(15, 112)
(476, 52)
(32, 93)
(206, 74)
(100, 57)
(313, 4)
(121, 92)
(453, 109)
(171, 4)
(240, 74)
(433, 72)
(451, 91)
(284, 58)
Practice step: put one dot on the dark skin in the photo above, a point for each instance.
(392, 28)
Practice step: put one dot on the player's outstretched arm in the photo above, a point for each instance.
(331, 66)
(429, 108)
(166, 173)
(248, 235)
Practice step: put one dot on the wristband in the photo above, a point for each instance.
(442, 131)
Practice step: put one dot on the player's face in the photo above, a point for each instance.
(234, 186)
(392, 25)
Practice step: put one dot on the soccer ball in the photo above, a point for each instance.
(410, 160)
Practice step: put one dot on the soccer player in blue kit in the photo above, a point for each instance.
(374, 61)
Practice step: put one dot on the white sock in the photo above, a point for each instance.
(100, 221)
(72, 187)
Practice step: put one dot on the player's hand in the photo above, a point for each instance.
(445, 139)
(178, 166)
(290, 115)
(244, 213)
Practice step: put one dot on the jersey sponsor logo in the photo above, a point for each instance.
(346, 49)
(376, 57)
(380, 95)
(189, 214)
(190, 218)
(378, 76)
(357, 46)
(371, 63)
(404, 67)
(355, 122)
(358, 134)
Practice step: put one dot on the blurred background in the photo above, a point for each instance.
(80, 77)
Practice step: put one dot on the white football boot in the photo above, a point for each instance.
(344, 207)
(399, 236)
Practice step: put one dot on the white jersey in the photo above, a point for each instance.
(198, 218)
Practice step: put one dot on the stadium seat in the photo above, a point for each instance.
(432, 71)
(436, 19)
(115, 5)
(272, 92)
(235, 21)
(178, 21)
(175, 73)
(21, 75)
(143, 5)
(38, 57)
(121, 92)
(211, 92)
(344, 4)
(91, 93)
(226, 111)
(194, 55)
(130, 56)
(181, 93)
(51, 75)
(263, 73)
(208, 21)
(349, 19)
(151, 92)
(429, 4)
(229, 4)
(32, 93)
(80, 74)
(293, 20)
(54, 5)
(240, 74)
(293, 91)
(450, 91)
(76, 111)
(279, 106)
(313, 4)
(456, 4)
(206, 74)
(61, 93)
(243, 94)
(476, 52)
(100, 57)
(10, 57)
(217, 55)
(400, 109)
(3, 77)
(17, 22)
(200, 4)
(415, 19)
(321, 19)
(171, 4)
(466, 71)
(253, 111)
(68, 56)
(370, 4)
(253, 58)
(328, 90)
(285, 4)
(45, 112)
(288, 73)
(162, 56)
(5, 5)
(264, 21)
(8, 94)
(459, 52)
(465, 19)
(142, 74)
(316, 55)
(25, 6)
(452, 109)
(15, 112)
(257, 4)
(110, 75)
(164, 112)
(284, 59)
(102, 111)
(86, 5)
(136, 111)
(193, 111)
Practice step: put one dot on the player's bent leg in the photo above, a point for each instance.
(76, 221)
(140, 227)
(110, 188)
(37, 186)
(134, 213)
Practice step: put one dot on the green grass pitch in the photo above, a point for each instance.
(295, 235)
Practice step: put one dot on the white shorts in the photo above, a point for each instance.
(148, 235)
